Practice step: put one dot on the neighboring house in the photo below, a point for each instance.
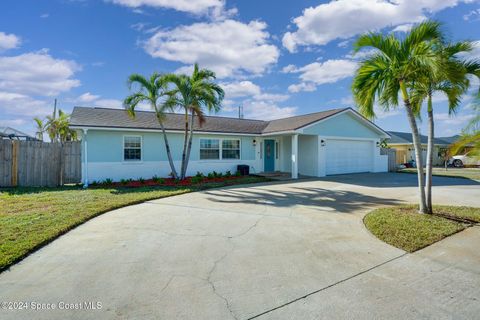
(405, 152)
(14, 134)
(337, 141)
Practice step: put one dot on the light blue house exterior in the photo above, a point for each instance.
(332, 142)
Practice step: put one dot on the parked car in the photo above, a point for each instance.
(463, 160)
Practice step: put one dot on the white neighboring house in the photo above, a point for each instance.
(338, 141)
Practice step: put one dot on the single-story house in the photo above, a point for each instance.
(14, 134)
(337, 141)
(405, 152)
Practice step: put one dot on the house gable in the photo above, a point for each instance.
(346, 124)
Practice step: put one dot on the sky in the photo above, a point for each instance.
(275, 58)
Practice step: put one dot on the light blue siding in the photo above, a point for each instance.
(343, 125)
(107, 146)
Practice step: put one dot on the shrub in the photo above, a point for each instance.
(94, 183)
(141, 180)
(211, 175)
(219, 175)
(228, 174)
(155, 179)
(215, 174)
(108, 181)
(238, 173)
(199, 174)
(160, 181)
(123, 181)
(196, 179)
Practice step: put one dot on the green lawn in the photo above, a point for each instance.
(467, 173)
(31, 217)
(403, 227)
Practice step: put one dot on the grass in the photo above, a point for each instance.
(32, 217)
(403, 227)
(467, 173)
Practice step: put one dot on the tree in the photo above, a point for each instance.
(41, 128)
(390, 71)
(152, 91)
(194, 95)
(470, 136)
(451, 79)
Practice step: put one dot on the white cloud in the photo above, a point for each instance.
(44, 15)
(289, 69)
(230, 48)
(22, 106)
(247, 89)
(319, 73)
(37, 73)
(266, 111)
(344, 19)
(403, 27)
(196, 7)
(472, 15)
(86, 97)
(8, 41)
(455, 120)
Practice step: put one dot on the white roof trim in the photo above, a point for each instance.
(159, 130)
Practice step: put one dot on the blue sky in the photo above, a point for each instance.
(275, 60)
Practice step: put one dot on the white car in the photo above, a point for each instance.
(462, 160)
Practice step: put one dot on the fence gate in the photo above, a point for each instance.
(392, 158)
(36, 163)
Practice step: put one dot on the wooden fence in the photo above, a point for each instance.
(35, 163)
(392, 158)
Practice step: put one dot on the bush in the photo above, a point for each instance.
(219, 175)
(155, 179)
(199, 174)
(197, 179)
(228, 174)
(141, 180)
(238, 173)
(123, 181)
(94, 183)
(108, 181)
(211, 175)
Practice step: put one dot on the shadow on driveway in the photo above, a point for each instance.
(395, 180)
(316, 198)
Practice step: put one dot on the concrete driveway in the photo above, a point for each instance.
(294, 250)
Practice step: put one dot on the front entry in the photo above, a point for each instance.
(269, 158)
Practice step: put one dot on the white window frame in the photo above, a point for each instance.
(141, 148)
(220, 148)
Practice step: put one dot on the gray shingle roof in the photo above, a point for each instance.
(118, 118)
(406, 138)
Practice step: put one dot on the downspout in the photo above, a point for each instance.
(85, 159)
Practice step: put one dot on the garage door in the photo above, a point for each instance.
(348, 156)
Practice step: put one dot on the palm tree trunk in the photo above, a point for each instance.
(169, 154)
(189, 147)
(428, 184)
(418, 157)
(184, 153)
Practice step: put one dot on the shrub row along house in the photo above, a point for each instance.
(337, 141)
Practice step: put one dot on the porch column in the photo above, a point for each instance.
(295, 156)
(85, 159)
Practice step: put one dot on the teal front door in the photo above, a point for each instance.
(269, 158)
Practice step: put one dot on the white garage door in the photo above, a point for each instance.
(348, 156)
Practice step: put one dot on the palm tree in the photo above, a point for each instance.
(41, 128)
(452, 79)
(193, 94)
(62, 124)
(396, 64)
(470, 136)
(151, 91)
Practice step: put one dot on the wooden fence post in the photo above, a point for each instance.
(15, 148)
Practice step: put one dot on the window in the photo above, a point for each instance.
(231, 149)
(209, 149)
(132, 148)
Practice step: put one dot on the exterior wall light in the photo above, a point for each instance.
(322, 143)
(254, 142)
(378, 144)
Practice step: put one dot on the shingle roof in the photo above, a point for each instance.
(406, 138)
(118, 118)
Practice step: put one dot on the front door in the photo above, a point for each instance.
(269, 162)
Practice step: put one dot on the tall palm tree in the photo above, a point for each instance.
(452, 79)
(152, 91)
(396, 64)
(470, 136)
(194, 95)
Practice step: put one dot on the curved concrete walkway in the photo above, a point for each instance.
(294, 250)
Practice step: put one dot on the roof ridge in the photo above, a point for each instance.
(312, 113)
(149, 111)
